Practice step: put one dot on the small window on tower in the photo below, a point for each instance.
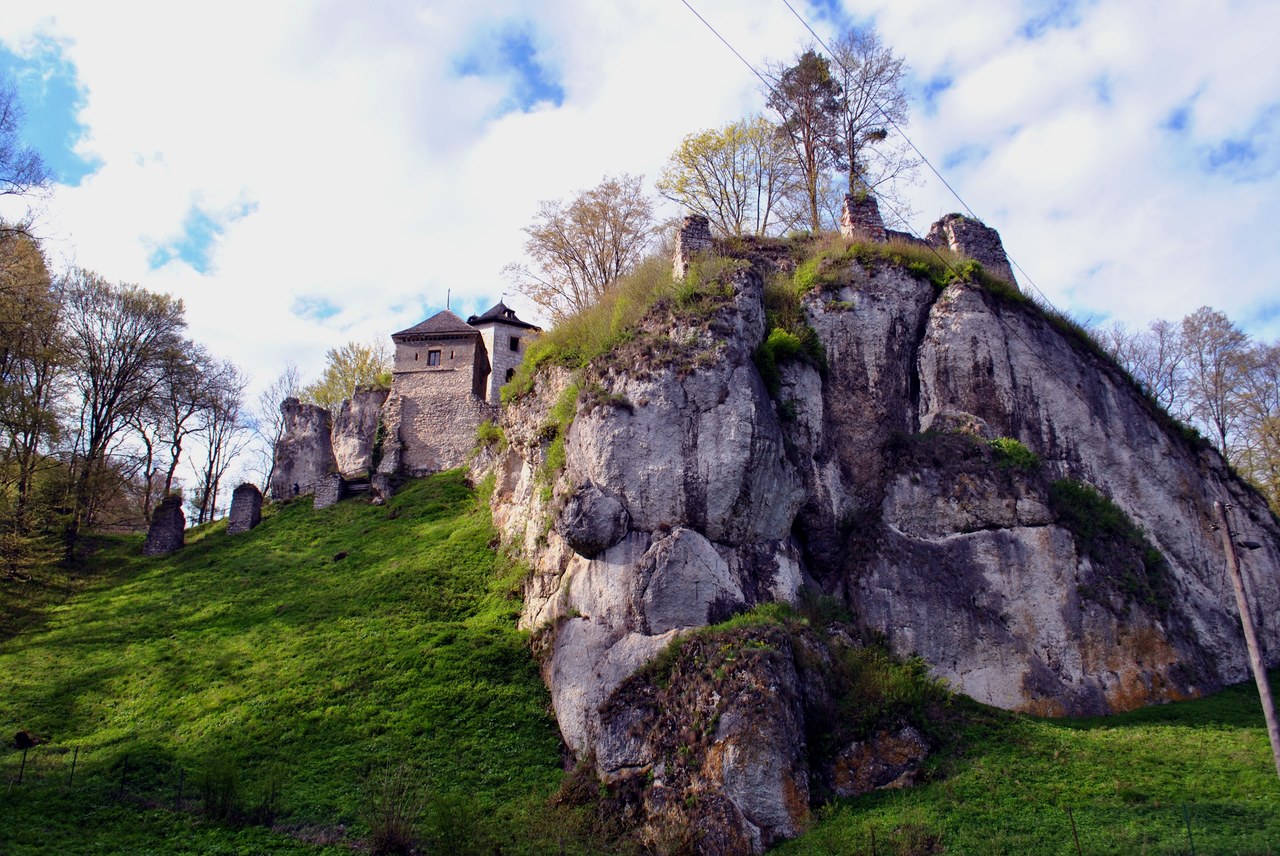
(433, 358)
(415, 356)
(510, 374)
(515, 343)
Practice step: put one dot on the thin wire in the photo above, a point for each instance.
(729, 46)
(1031, 350)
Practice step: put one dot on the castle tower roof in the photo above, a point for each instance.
(502, 314)
(443, 325)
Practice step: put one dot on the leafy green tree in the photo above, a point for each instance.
(33, 357)
(741, 177)
(577, 250)
(806, 98)
(352, 365)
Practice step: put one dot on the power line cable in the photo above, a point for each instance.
(1003, 323)
(913, 146)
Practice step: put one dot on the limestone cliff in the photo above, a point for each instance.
(691, 491)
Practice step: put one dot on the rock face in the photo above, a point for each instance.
(690, 493)
(355, 432)
(304, 453)
(246, 509)
(167, 533)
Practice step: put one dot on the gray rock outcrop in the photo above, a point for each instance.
(168, 531)
(304, 453)
(690, 493)
(355, 432)
(246, 509)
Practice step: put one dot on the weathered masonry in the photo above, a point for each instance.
(446, 377)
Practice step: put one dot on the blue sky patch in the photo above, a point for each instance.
(315, 308)
(965, 156)
(1251, 156)
(200, 232)
(1179, 119)
(932, 88)
(1046, 15)
(52, 97)
(510, 53)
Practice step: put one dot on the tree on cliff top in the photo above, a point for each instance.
(576, 250)
(873, 102)
(741, 177)
(807, 99)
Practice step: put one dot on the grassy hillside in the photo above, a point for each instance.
(329, 659)
(319, 652)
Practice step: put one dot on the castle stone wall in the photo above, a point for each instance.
(431, 422)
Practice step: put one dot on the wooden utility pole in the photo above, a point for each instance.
(1250, 634)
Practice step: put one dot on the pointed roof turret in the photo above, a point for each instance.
(502, 314)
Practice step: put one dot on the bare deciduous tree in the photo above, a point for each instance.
(22, 171)
(119, 336)
(225, 434)
(875, 157)
(576, 250)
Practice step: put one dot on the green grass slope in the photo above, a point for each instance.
(293, 661)
(1130, 784)
(289, 668)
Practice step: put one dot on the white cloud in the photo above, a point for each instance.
(378, 178)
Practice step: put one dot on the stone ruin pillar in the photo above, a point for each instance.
(974, 239)
(694, 237)
(168, 528)
(328, 491)
(861, 219)
(246, 509)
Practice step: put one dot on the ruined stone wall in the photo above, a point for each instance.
(694, 237)
(246, 509)
(431, 421)
(972, 238)
(168, 528)
(861, 219)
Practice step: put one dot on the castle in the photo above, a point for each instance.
(446, 377)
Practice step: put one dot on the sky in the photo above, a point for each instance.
(303, 173)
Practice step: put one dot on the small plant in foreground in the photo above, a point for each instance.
(392, 807)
